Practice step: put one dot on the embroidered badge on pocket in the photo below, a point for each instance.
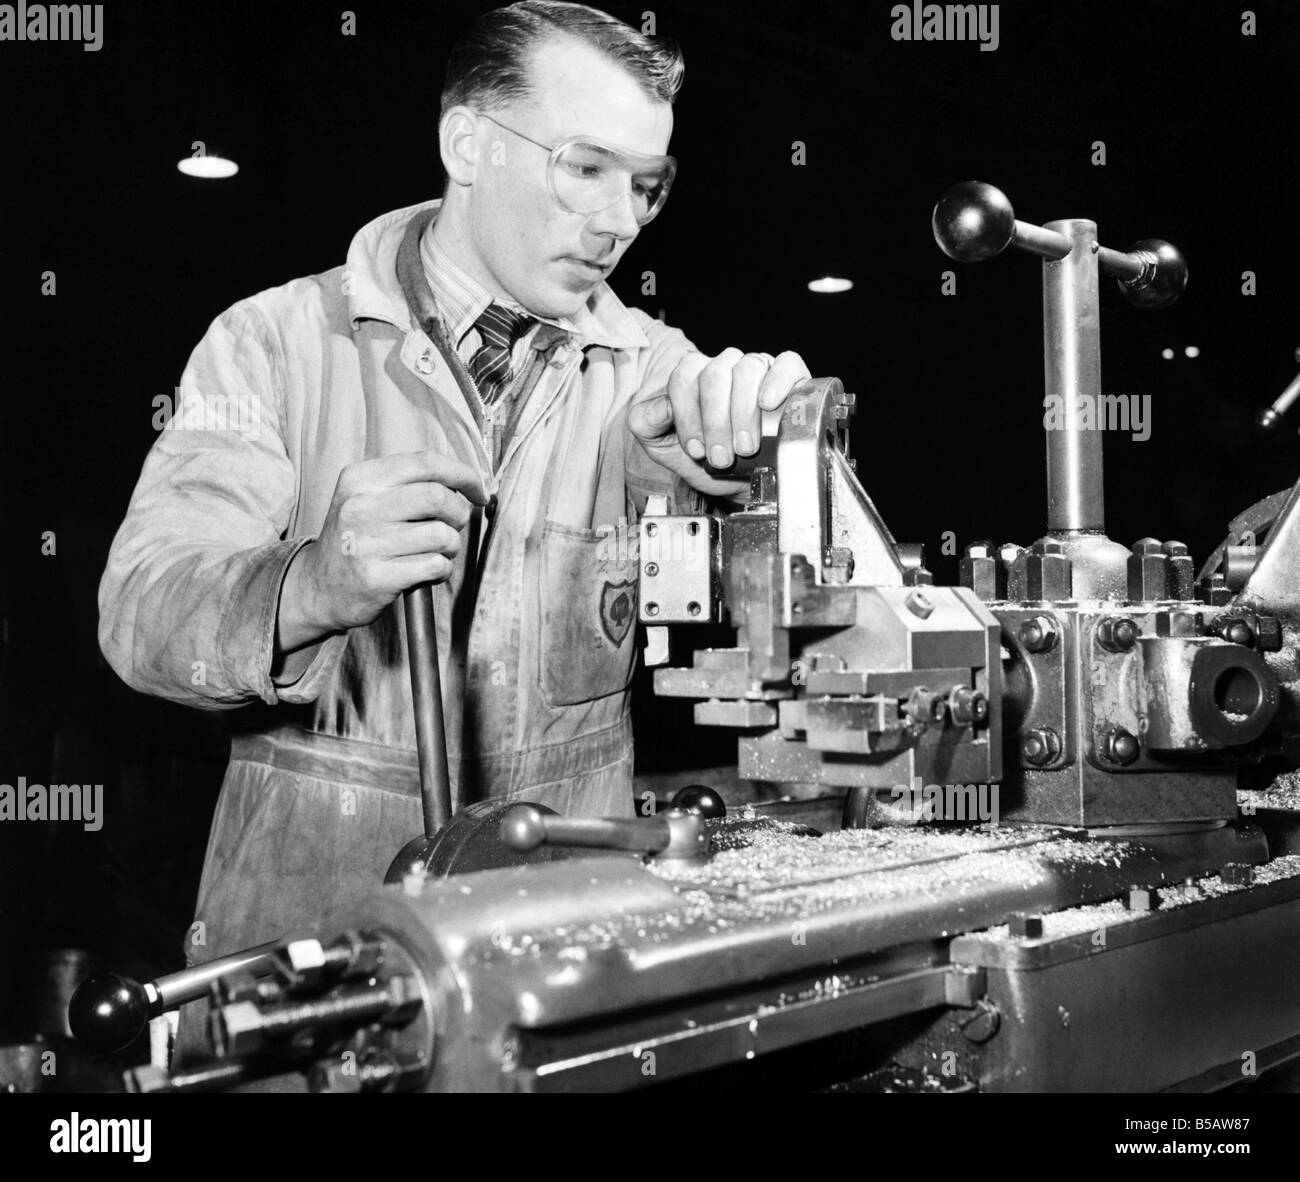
(617, 603)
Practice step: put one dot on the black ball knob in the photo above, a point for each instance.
(1162, 280)
(701, 799)
(523, 828)
(973, 221)
(108, 1011)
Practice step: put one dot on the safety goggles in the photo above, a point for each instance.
(586, 175)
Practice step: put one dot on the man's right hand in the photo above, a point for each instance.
(393, 523)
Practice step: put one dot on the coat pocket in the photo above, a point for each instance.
(588, 615)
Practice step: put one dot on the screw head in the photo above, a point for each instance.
(1039, 747)
(1121, 747)
(1118, 634)
(919, 603)
(1148, 546)
(1038, 634)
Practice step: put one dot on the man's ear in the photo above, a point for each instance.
(458, 143)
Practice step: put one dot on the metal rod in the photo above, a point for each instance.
(1120, 263)
(1041, 241)
(166, 993)
(1072, 379)
(426, 698)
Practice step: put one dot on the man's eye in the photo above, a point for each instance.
(586, 172)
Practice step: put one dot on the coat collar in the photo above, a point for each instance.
(375, 291)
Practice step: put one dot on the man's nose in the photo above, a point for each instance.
(617, 220)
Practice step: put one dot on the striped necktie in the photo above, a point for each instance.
(498, 330)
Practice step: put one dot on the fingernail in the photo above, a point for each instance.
(695, 449)
(718, 456)
(744, 442)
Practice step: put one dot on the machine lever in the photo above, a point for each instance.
(430, 733)
(974, 221)
(109, 1010)
(675, 833)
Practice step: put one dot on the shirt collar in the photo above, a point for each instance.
(374, 292)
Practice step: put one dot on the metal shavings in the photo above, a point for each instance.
(1095, 916)
(783, 879)
(1283, 793)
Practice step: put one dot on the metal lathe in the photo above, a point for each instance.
(1011, 835)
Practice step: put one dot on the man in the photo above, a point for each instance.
(465, 402)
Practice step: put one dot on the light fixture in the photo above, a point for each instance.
(211, 168)
(1167, 354)
(829, 284)
(1192, 351)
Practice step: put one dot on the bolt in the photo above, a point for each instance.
(1038, 634)
(1048, 572)
(652, 609)
(1142, 899)
(1235, 630)
(1025, 926)
(925, 707)
(1040, 746)
(651, 569)
(1148, 571)
(1121, 747)
(981, 572)
(982, 1023)
(919, 603)
(1214, 591)
(1182, 571)
(1237, 874)
(967, 705)
(1117, 634)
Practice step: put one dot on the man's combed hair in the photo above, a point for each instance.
(489, 65)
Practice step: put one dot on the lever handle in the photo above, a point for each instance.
(108, 1011)
(426, 697)
(974, 221)
(675, 833)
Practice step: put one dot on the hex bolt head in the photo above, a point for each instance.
(1039, 747)
(980, 570)
(1142, 899)
(1148, 571)
(1025, 926)
(925, 707)
(1237, 874)
(1049, 575)
(1117, 634)
(1038, 634)
(1121, 747)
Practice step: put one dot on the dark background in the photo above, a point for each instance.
(329, 131)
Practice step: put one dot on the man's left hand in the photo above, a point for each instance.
(713, 412)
